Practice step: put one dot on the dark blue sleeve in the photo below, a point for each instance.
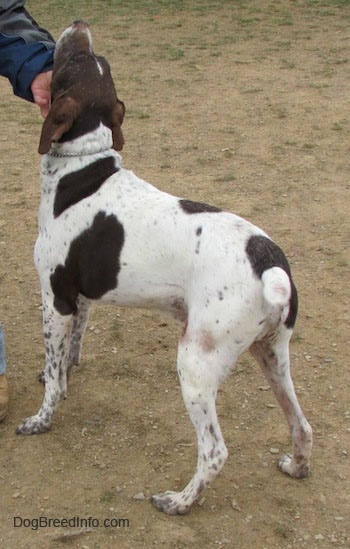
(21, 62)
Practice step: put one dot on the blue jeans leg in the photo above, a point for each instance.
(2, 352)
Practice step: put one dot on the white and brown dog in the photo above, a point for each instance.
(105, 234)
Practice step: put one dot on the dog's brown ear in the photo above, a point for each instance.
(117, 120)
(60, 119)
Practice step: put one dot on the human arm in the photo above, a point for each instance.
(26, 53)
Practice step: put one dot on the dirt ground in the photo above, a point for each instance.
(244, 105)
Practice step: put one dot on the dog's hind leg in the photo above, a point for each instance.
(80, 320)
(199, 374)
(272, 353)
(57, 332)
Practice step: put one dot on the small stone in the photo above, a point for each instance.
(16, 495)
(235, 505)
(140, 496)
(274, 451)
(319, 537)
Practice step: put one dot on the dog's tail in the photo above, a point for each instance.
(279, 291)
(277, 288)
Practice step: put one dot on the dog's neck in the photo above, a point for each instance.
(93, 142)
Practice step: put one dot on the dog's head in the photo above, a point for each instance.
(82, 92)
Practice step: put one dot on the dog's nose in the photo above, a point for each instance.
(79, 24)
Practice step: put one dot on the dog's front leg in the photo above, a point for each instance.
(57, 332)
(80, 321)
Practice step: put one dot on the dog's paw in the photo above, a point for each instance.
(33, 425)
(288, 465)
(170, 503)
(41, 377)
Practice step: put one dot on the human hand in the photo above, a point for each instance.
(41, 90)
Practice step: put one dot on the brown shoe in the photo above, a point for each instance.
(4, 397)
